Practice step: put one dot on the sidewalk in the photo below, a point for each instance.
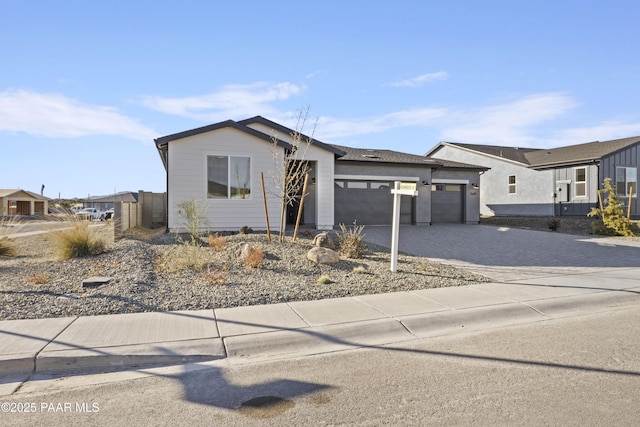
(301, 328)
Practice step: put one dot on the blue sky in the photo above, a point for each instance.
(85, 86)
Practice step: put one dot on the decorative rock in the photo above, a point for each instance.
(321, 255)
(324, 240)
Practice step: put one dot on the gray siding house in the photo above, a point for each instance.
(545, 182)
(221, 165)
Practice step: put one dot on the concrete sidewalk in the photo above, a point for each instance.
(65, 345)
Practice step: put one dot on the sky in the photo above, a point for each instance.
(86, 87)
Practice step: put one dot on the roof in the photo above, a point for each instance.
(278, 127)
(390, 156)
(10, 192)
(162, 143)
(123, 196)
(539, 158)
(580, 153)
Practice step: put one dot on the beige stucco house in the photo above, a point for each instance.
(22, 202)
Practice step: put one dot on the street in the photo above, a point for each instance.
(582, 370)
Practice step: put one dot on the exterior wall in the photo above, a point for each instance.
(379, 170)
(534, 189)
(323, 171)
(565, 182)
(187, 179)
(629, 157)
(28, 203)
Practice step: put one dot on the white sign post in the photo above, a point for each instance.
(399, 189)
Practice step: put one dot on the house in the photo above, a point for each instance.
(223, 166)
(22, 202)
(107, 202)
(547, 182)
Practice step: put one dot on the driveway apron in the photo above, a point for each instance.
(506, 254)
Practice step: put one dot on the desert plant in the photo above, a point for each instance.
(8, 225)
(612, 218)
(217, 243)
(215, 277)
(350, 241)
(246, 230)
(254, 257)
(189, 255)
(38, 278)
(193, 214)
(553, 224)
(78, 241)
(6, 247)
(360, 269)
(324, 280)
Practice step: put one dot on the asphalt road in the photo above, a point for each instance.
(575, 371)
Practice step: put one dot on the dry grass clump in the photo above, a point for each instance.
(350, 241)
(38, 279)
(6, 247)
(254, 257)
(324, 280)
(78, 241)
(181, 257)
(215, 277)
(217, 243)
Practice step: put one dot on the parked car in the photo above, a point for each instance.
(108, 214)
(90, 214)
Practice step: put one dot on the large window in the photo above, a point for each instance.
(228, 177)
(581, 182)
(512, 184)
(626, 181)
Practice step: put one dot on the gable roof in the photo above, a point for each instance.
(285, 130)
(540, 158)
(390, 156)
(11, 192)
(162, 143)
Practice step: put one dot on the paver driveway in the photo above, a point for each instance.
(505, 254)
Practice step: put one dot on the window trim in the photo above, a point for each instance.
(510, 185)
(576, 182)
(229, 177)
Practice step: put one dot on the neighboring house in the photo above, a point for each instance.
(556, 181)
(22, 202)
(107, 202)
(221, 165)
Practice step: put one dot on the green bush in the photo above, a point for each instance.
(612, 218)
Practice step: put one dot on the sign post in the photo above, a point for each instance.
(399, 189)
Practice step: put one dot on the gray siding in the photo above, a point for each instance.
(629, 157)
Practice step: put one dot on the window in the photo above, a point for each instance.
(512, 184)
(626, 181)
(380, 185)
(228, 177)
(581, 182)
(360, 185)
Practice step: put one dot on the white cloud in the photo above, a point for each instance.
(231, 101)
(54, 115)
(604, 131)
(421, 80)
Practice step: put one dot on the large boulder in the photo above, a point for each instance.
(324, 240)
(321, 255)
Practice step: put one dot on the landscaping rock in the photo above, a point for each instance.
(321, 255)
(324, 240)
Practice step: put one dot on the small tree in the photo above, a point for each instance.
(288, 177)
(613, 220)
(193, 214)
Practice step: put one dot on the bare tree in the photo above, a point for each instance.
(289, 172)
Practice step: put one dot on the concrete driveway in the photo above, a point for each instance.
(506, 254)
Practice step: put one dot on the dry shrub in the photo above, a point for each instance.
(215, 277)
(38, 279)
(181, 257)
(254, 257)
(217, 243)
(324, 280)
(6, 247)
(78, 241)
(350, 241)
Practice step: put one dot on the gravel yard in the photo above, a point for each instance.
(142, 268)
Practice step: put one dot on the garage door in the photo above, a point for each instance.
(447, 203)
(368, 203)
